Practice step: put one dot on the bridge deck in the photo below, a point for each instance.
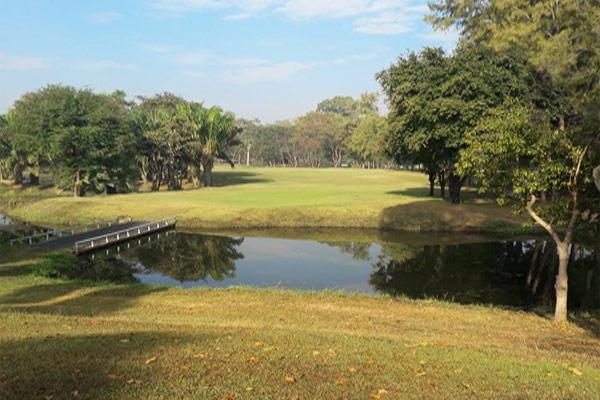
(68, 242)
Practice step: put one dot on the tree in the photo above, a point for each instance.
(367, 140)
(164, 131)
(5, 147)
(93, 151)
(435, 99)
(318, 132)
(347, 107)
(559, 39)
(217, 133)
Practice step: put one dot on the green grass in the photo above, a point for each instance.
(286, 198)
(64, 340)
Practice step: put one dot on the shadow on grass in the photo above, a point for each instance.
(423, 192)
(91, 366)
(73, 298)
(232, 178)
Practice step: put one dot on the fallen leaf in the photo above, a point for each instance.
(423, 362)
(379, 394)
(420, 373)
(253, 359)
(75, 393)
(340, 381)
(458, 370)
(268, 348)
(290, 379)
(200, 356)
(249, 389)
(352, 369)
(150, 360)
(575, 371)
(371, 362)
(316, 353)
(185, 367)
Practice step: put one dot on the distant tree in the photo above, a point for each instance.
(319, 133)
(348, 107)
(5, 147)
(368, 138)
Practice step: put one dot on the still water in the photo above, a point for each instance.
(469, 270)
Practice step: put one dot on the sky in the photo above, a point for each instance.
(265, 59)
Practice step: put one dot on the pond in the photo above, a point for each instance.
(469, 270)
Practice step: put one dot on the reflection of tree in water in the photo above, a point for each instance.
(103, 269)
(508, 273)
(189, 257)
(358, 250)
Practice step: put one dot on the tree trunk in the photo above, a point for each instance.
(442, 179)
(455, 186)
(18, 174)
(562, 283)
(207, 174)
(432, 183)
(248, 155)
(34, 179)
(562, 248)
(77, 184)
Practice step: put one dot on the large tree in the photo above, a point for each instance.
(559, 39)
(435, 99)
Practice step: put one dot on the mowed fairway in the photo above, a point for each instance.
(64, 340)
(286, 197)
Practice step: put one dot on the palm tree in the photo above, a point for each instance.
(217, 133)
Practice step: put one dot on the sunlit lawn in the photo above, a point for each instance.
(286, 197)
(64, 340)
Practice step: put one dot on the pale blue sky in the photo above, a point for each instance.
(266, 59)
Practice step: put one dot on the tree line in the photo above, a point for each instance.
(90, 143)
(340, 131)
(514, 107)
(102, 143)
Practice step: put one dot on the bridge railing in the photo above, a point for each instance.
(50, 234)
(89, 244)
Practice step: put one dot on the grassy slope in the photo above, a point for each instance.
(271, 197)
(60, 339)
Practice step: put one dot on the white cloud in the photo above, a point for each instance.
(384, 24)
(372, 16)
(159, 48)
(272, 72)
(102, 65)
(451, 35)
(105, 17)
(9, 63)
(193, 58)
(358, 57)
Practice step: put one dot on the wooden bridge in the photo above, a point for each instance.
(105, 234)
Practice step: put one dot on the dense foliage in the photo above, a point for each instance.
(546, 147)
(340, 131)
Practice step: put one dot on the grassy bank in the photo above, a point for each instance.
(285, 198)
(63, 340)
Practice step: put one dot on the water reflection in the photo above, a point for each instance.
(511, 273)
